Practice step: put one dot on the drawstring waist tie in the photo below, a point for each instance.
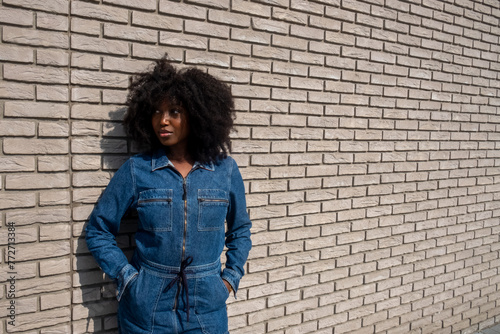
(181, 277)
(178, 274)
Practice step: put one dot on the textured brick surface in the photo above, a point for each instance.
(368, 138)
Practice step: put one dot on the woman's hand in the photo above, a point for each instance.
(228, 286)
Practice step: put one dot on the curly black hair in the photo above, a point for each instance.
(208, 102)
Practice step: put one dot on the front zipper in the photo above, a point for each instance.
(184, 197)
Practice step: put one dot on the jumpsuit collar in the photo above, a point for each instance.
(160, 160)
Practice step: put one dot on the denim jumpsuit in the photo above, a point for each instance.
(174, 282)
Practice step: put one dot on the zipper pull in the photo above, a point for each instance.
(184, 195)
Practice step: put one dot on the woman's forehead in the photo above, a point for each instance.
(170, 100)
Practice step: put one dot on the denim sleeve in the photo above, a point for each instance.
(104, 224)
(238, 241)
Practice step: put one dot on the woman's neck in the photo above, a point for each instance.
(182, 161)
(179, 156)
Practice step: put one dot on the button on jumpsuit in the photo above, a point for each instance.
(174, 282)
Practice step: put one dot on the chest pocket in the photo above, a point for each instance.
(213, 205)
(154, 208)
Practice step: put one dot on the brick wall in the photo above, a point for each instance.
(368, 138)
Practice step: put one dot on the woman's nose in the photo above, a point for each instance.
(165, 118)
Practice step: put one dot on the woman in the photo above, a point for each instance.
(184, 190)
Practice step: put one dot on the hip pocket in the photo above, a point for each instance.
(211, 294)
(213, 205)
(139, 301)
(154, 208)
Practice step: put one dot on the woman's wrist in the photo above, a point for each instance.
(228, 286)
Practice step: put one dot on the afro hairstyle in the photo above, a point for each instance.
(208, 103)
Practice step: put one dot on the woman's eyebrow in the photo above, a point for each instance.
(178, 106)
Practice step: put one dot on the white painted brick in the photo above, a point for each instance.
(96, 112)
(251, 8)
(84, 128)
(250, 36)
(244, 306)
(269, 80)
(289, 42)
(53, 163)
(55, 300)
(365, 182)
(35, 146)
(16, 53)
(284, 322)
(36, 181)
(205, 58)
(154, 21)
(52, 22)
(286, 15)
(17, 128)
(57, 197)
(55, 232)
(35, 37)
(27, 217)
(99, 12)
(24, 305)
(114, 96)
(16, 16)
(93, 310)
(145, 5)
(82, 326)
(289, 69)
(82, 77)
(60, 329)
(250, 92)
(35, 109)
(338, 321)
(250, 329)
(266, 314)
(43, 250)
(222, 17)
(86, 44)
(85, 26)
(36, 74)
(52, 129)
(239, 48)
(287, 247)
(52, 93)
(88, 61)
(112, 30)
(58, 6)
(23, 235)
(307, 58)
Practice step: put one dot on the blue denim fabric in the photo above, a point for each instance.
(166, 202)
(148, 306)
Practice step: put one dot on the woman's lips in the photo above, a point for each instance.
(165, 133)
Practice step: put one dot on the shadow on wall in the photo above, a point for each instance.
(94, 302)
(97, 292)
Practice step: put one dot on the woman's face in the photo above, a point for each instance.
(170, 125)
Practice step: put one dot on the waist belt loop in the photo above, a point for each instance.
(181, 277)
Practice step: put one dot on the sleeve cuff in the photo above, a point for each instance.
(233, 278)
(126, 275)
